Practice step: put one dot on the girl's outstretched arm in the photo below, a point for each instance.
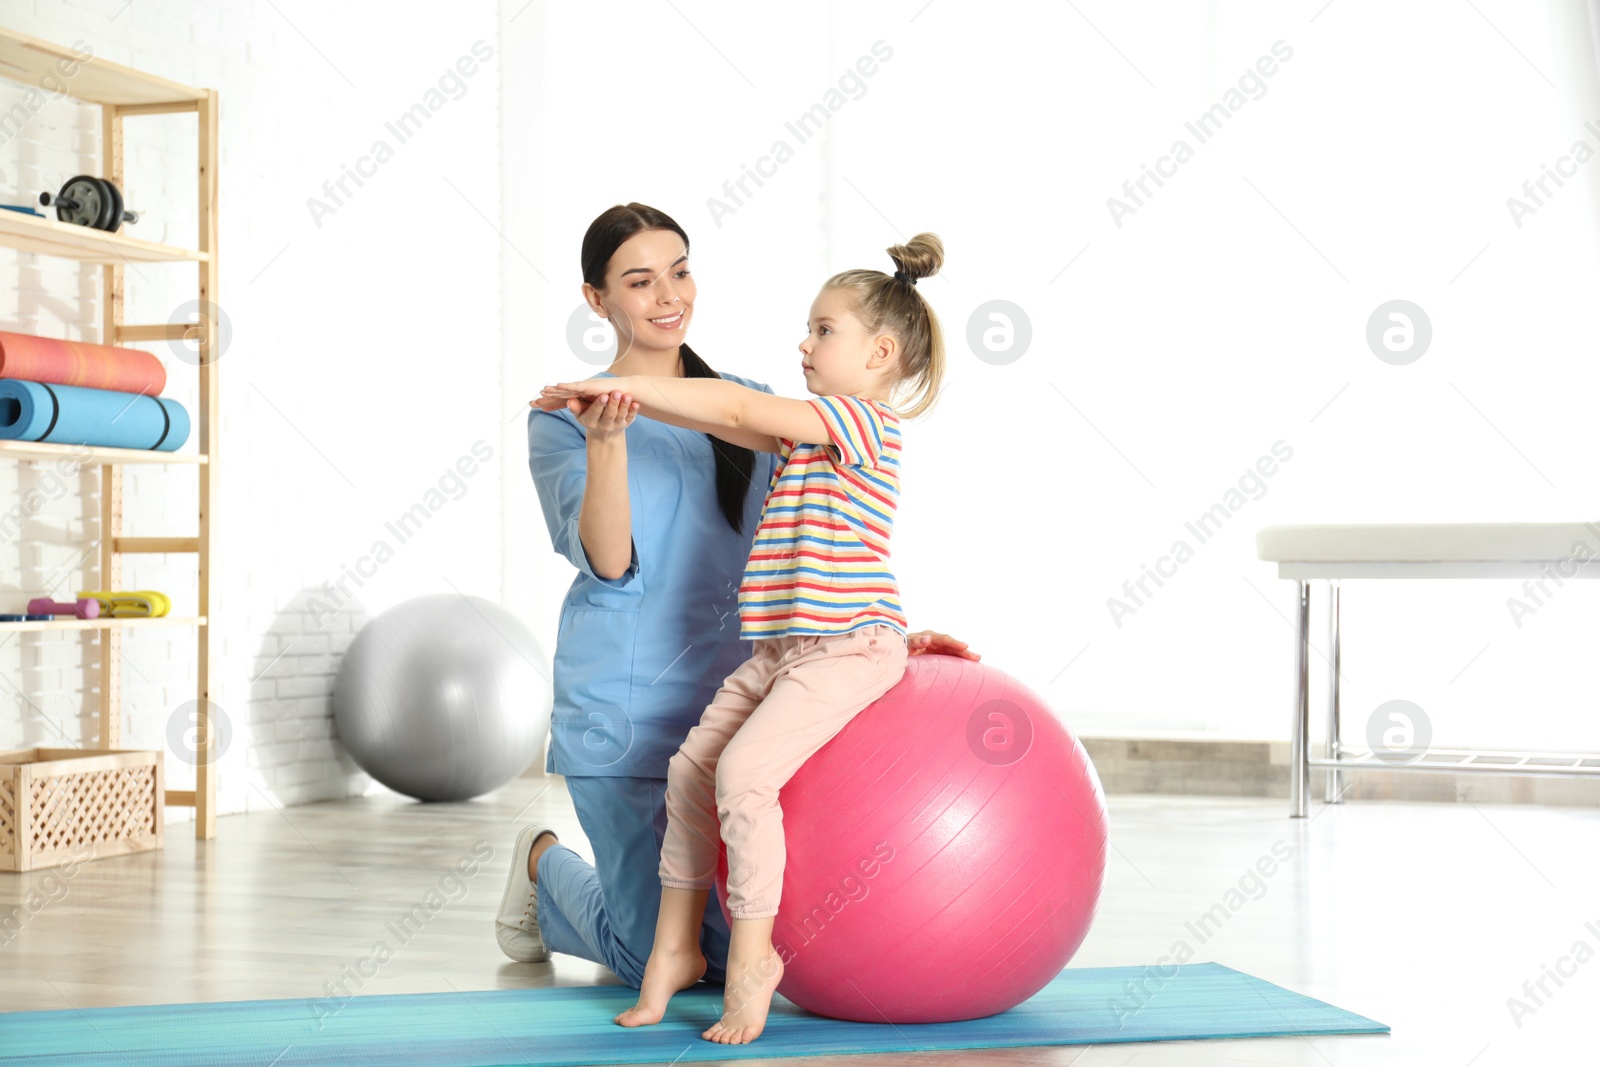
(727, 409)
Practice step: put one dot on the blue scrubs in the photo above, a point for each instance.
(637, 659)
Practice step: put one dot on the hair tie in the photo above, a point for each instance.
(902, 276)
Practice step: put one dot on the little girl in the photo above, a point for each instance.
(817, 599)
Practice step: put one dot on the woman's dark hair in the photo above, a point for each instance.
(605, 235)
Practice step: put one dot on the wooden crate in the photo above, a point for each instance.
(58, 805)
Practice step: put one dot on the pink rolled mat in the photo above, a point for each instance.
(56, 362)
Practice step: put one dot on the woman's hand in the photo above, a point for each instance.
(931, 642)
(603, 417)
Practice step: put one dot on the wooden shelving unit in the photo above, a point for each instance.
(36, 450)
(123, 93)
(52, 238)
(100, 624)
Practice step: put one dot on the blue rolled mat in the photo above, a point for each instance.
(73, 415)
(568, 1026)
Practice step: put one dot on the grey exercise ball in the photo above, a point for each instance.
(443, 697)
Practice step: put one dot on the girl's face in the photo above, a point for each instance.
(839, 356)
(649, 294)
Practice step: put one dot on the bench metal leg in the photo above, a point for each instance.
(1335, 793)
(1300, 728)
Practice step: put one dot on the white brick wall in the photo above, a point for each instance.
(365, 360)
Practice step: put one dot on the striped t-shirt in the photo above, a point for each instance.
(820, 560)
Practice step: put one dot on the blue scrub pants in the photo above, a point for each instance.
(607, 912)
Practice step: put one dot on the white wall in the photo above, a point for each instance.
(365, 359)
(1227, 314)
(627, 102)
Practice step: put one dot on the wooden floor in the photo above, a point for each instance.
(1426, 917)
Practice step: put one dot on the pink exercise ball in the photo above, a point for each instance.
(945, 852)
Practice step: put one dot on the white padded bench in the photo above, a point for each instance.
(1535, 550)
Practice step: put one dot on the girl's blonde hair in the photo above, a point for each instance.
(887, 304)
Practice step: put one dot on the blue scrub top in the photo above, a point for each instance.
(639, 657)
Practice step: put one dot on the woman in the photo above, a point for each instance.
(658, 520)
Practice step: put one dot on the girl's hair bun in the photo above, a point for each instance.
(920, 257)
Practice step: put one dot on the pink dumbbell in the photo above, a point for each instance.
(82, 608)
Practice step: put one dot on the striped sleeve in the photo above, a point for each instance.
(855, 429)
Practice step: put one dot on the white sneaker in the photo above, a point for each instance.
(516, 926)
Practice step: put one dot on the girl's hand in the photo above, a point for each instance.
(930, 642)
(587, 387)
(604, 417)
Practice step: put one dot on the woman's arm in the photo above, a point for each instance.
(605, 521)
(712, 405)
(582, 479)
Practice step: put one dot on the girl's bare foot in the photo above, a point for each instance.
(664, 974)
(747, 999)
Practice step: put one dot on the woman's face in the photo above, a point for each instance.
(648, 294)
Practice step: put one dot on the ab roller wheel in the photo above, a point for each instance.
(90, 201)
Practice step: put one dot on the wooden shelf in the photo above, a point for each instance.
(124, 93)
(101, 624)
(95, 80)
(97, 455)
(29, 233)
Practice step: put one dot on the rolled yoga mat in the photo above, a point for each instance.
(571, 1025)
(69, 415)
(46, 359)
(133, 604)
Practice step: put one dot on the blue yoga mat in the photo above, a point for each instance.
(72, 415)
(571, 1026)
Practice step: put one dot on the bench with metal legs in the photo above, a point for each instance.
(1537, 551)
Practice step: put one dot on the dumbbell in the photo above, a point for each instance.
(82, 608)
(90, 201)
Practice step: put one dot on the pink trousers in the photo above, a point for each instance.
(791, 697)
